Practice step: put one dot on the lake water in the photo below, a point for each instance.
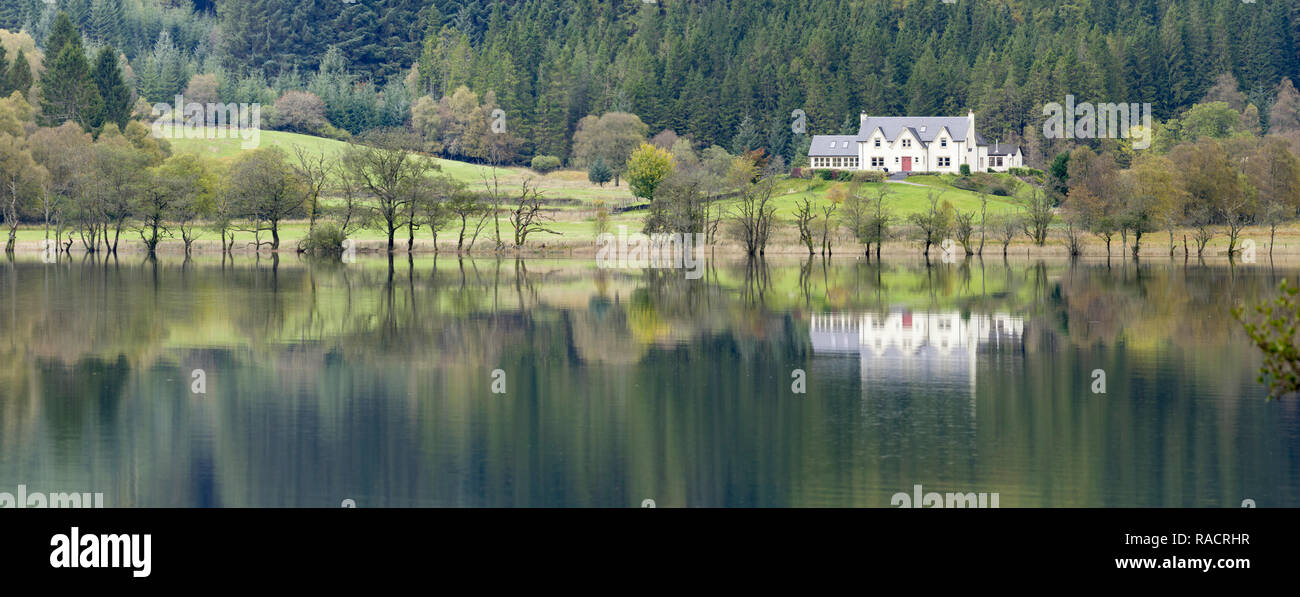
(325, 382)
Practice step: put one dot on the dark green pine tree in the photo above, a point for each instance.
(116, 105)
(5, 88)
(67, 91)
(15, 13)
(551, 131)
(105, 21)
(747, 136)
(79, 10)
(599, 172)
(20, 74)
(63, 31)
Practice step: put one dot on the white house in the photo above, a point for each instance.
(913, 144)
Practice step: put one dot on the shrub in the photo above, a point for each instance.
(1272, 332)
(844, 175)
(545, 164)
(1032, 173)
(299, 112)
(965, 170)
(330, 131)
(869, 176)
(202, 89)
(825, 174)
(325, 239)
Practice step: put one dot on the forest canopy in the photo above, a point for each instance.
(727, 72)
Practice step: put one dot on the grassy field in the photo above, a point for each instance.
(562, 184)
(573, 184)
(904, 199)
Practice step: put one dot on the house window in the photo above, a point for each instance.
(895, 159)
(877, 141)
(877, 162)
(943, 142)
(907, 142)
(945, 162)
(996, 161)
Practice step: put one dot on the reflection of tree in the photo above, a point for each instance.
(756, 281)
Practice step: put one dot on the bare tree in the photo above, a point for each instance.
(1038, 216)
(751, 218)
(804, 217)
(934, 223)
(1010, 226)
(315, 170)
(984, 221)
(964, 228)
(437, 213)
(828, 215)
(528, 216)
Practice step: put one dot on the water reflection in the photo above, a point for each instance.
(370, 381)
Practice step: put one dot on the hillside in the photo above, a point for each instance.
(573, 185)
(563, 184)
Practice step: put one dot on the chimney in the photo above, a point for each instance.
(862, 119)
(995, 145)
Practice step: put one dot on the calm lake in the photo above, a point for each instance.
(323, 382)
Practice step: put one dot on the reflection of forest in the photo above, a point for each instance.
(633, 374)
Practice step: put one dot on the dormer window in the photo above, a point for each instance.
(907, 142)
(877, 141)
(943, 142)
(923, 129)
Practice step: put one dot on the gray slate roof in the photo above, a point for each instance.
(834, 146)
(1003, 149)
(924, 127)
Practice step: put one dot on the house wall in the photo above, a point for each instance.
(889, 155)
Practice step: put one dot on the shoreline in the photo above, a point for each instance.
(783, 244)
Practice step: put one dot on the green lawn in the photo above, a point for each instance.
(562, 184)
(903, 199)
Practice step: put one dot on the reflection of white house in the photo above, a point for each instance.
(913, 143)
(905, 333)
(906, 347)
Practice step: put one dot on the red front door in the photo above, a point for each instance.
(907, 164)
